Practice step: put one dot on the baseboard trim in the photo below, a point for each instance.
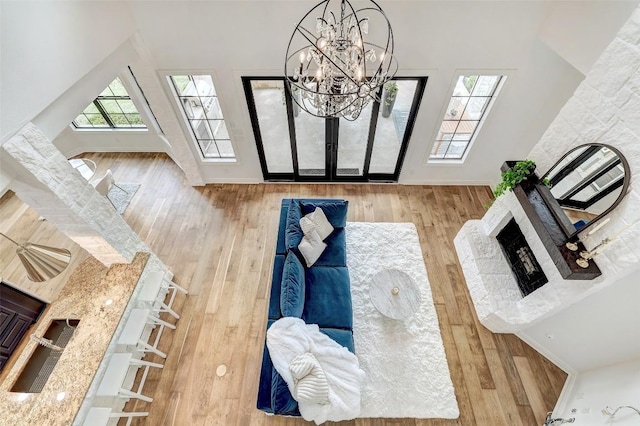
(78, 151)
(73, 152)
(447, 182)
(233, 180)
(544, 352)
(563, 399)
(562, 405)
(379, 183)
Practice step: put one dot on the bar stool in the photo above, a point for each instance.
(168, 282)
(100, 416)
(154, 290)
(134, 329)
(115, 375)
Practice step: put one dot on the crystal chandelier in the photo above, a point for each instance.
(333, 71)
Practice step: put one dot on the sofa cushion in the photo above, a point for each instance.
(336, 252)
(264, 387)
(284, 210)
(276, 287)
(316, 221)
(336, 211)
(273, 392)
(328, 297)
(282, 401)
(292, 293)
(293, 234)
(343, 337)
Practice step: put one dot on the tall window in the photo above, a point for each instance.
(198, 99)
(471, 99)
(113, 108)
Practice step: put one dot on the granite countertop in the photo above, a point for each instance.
(85, 297)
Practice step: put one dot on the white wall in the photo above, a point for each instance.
(598, 331)
(604, 109)
(73, 51)
(601, 329)
(432, 38)
(596, 389)
(47, 47)
(570, 27)
(54, 120)
(59, 113)
(74, 141)
(84, 44)
(7, 172)
(47, 50)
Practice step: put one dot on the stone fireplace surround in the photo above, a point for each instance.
(493, 288)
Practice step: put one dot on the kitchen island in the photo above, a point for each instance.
(98, 297)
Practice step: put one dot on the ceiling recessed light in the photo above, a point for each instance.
(23, 396)
(60, 396)
(108, 302)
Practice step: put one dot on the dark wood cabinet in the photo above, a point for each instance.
(18, 311)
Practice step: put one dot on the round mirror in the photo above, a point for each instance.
(588, 182)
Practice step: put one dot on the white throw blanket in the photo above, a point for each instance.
(299, 348)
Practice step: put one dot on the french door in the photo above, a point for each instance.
(295, 145)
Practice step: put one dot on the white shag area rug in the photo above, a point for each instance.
(405, 363)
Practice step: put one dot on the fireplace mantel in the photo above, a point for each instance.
(491, 283)
(553, 227)
(547, 225)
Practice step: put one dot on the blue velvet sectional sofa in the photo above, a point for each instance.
(319, 295)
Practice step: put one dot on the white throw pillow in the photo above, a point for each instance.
(311, 384)
(316, 220)
(311, 247)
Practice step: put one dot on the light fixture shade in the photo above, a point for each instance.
(339, 58)
(41, 262)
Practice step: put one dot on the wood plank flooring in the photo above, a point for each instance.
(219, 241)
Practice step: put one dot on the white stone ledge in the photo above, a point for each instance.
(493, 288)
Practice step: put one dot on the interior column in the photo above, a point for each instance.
(61, 195)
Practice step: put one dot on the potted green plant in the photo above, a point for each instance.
(514, 175)
(389, 93)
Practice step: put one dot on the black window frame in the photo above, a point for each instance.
(107, 116)
(190, 122)
(480, 121)
(331, 136)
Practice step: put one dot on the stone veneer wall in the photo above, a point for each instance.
(492, 286)
(606, 109)
(58, 192)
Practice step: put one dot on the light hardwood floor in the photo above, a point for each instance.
(219, 240)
